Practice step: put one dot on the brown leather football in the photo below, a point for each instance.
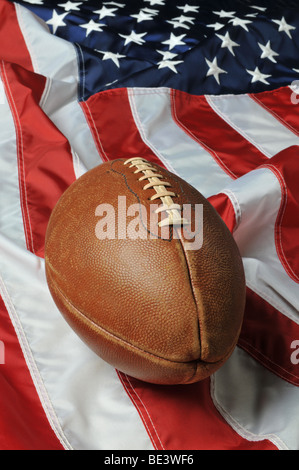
(146, 272)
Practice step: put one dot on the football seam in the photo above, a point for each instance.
(82, 315)
(169, 240)
(193, 294)
(139, 202)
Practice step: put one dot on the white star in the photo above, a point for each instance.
(225, 14)
(258, 76)
(111, 55)
(268, 53)
(167, 54)
(155, 2)
(35, 2)
(258, 8)
(174, 41)
(133, 37)
(57, 20)
(142, 16)
(178, 24)
(216, 26)
(186, 8)
(284, 26)
(251, 15)
(214, 70)
(183, 18)
(151, 11)
(228, 42)
(120, 5)
(240, 22)
(92, 26)
(167, 60)
(68, 6)
(170, 64)
(103, 12)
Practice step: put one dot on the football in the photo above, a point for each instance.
(146, 272)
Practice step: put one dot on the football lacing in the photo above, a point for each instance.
(150, 173)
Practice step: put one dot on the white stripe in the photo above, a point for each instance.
(256, 403)
(2, 93)
(258, 197)
(151, 109)
(83, 397)
(11, 220)
(60, 98)
(81, 394)
(5, 248)
(253, 122)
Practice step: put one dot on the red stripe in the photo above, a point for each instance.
(44, 156)
(23, 423)
(20, 158)
(285, 167)
(45, 170)
(282, 104)
(267, 335)
(45, 163)
(13, 46)
(143, 412)
(164, 414)
(113, 127)
(233, 153)
(185, 418)
(225, 209)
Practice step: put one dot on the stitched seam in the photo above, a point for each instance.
(151, 91)
(279, 118)
(248, 435)
(267, 364)
(140, 412)
(33, 370)
(272, 301)
(194, 299)
(187, 131)
(145, 410)
(139, 202)
(278, 222)
(21, 165)
(94, 130)
(234, 126)
(137, 407)
(236, 205)
(260, 355)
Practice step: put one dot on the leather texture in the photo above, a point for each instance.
(148, 306)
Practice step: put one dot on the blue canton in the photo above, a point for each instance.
(203, 47)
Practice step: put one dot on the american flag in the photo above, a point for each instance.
(209, 90)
